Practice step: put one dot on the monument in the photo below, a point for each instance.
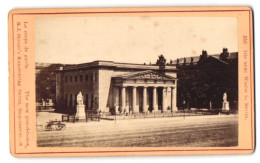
(225, 104)
(80, 114)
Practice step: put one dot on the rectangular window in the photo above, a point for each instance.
(92, 101)
(80, 77)
(86, 101)
(75, 101)
(76, 78)
(70, 104)
(91, 77)
(70, 78)
(66, 100)
(86, 77)
(96, 77)
(96, 103)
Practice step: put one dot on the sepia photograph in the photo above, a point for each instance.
(136, 81)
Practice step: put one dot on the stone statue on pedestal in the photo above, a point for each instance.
(80, 99)
(80, 114)
(225, 97)
(225, 104)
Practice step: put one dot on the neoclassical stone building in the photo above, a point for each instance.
(117, 87)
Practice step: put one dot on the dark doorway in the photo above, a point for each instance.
(140, 91)
(160, 97)
(150, 95)
(130, 99)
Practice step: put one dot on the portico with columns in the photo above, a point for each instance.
(144, 92)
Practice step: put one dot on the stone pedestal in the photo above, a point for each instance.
(80, 114)
(225, 106)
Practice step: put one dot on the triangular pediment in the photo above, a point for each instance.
(149, 74)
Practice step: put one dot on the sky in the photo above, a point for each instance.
(72, 40)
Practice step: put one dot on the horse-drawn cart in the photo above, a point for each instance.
(55, 126)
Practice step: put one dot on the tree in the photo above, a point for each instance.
(205, 82)
(46, 83)
(199, 89)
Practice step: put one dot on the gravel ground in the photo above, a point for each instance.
(197, 131)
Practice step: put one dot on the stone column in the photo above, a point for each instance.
(174, 99)
(155, 100)
(115, 99)
(123, 99)
(134, 100)
(164, 108)
(145, 109)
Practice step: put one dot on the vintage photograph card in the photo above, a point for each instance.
(131, 81)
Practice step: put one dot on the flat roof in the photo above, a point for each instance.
(115, 65)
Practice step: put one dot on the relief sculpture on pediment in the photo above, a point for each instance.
(149, 76)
